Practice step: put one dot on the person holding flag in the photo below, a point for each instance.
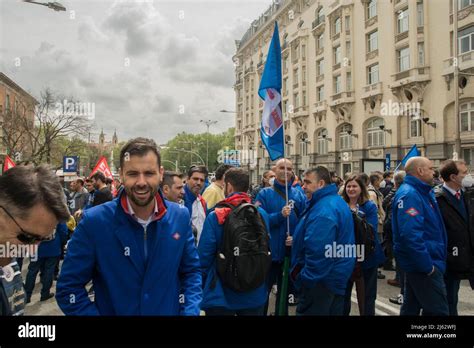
(282, 201)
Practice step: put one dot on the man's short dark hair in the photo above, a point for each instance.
(168, 178)
(387, 174)
(138, 147)
(238, 178)
(365, 178)
(449, 168)
(23, 187)
(109, 181)
(99, 176)
(220, 171)
(198, 169)
(436, 174)
(80, 181)
(322, 173)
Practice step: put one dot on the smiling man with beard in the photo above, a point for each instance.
(138, 250)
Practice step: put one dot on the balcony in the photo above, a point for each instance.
(410, 76)
(320, 106)
(465, 61)
(336, 66)
(295, 85)
(371, 21)
(462, 14)
(248, 129)
(300, 112)
(284, 46)
(319, 51)
(238, 82)
(400, 4)
(372, 54)
(320, 78)
(342, 98)
(372, 90)
(336, 36)
(401, 36)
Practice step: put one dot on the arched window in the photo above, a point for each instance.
(345, 137)
(375, 135)
(322, 136)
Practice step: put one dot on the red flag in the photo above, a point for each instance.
(8, 163)
(104, 168)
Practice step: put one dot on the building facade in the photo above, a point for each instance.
(363, 80)
(17, 113)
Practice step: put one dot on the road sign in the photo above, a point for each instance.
(70, 164)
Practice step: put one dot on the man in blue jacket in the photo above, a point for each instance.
(47, 257)
(217, 298)
(193, 200)
(419, 238)
(138, 250)
(319, 269)
(272, 200)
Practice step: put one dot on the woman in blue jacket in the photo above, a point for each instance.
(357, 197)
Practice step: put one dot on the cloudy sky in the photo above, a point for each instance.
(140, 61)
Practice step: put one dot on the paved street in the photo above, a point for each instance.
(383, 305)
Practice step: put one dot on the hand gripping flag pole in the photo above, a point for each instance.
(272, 134)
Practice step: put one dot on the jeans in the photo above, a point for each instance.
(319, 301)
(452, 290)
(46, 265)
(425, 292)
(220, 311)
(370, 292)
(275, 275)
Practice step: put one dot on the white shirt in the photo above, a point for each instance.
(198, 217)
(450, 190)
(144, 223)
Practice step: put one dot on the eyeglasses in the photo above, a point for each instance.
(27, 237)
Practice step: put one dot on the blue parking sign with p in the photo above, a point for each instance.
(70, 164)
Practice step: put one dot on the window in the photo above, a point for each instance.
(372, 41)
(320, 67)
(403, 57)
(303, 72)
(345, 137)
(467, 117)
(347, 24)
(349, 81)
(285, 85)
(304, 99)
(295, 76)
(322, 142)
(375, 136)
(373, 74)
(296, 52)
(337, 84)
(465, 3)
(420, 20)
(466, 40)
(371, 9)
(402, 21)
(348, 48)
(415, 126)
(320, 16)
(320, 91)
(320, 41)
(303, 51)
(303, 145)
(337, 26)
(7, 103)
(337, 55)
(296, 100)
(421, 54)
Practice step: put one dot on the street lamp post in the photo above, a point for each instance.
(208, 123)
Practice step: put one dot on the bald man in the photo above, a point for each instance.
(272, 200)
(419, 241)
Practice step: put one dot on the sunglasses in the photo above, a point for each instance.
(27, 237)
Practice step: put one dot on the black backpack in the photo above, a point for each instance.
(364, 235)
(243, 259)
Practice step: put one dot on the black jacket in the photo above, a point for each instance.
(460, 261)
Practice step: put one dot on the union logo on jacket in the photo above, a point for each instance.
(135, 271)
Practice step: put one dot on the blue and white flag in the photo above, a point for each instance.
(414, 152)
(270, 91)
